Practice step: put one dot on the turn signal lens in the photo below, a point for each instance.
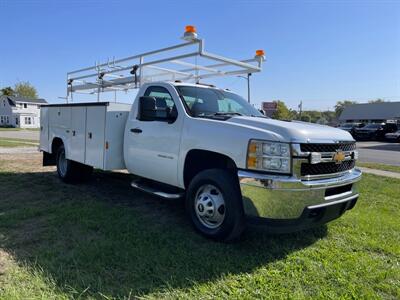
(260, 52)
(190, 28)
(252, 147)
(252, 162)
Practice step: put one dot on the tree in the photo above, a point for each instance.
(26, 90)
(7, 91)
(282, 112)
(340, 105)
(379, 100)
(305, 118)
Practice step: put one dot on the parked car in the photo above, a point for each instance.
(393, 136)
(351, 127)
(374, 131)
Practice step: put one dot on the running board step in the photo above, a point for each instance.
(151, 190)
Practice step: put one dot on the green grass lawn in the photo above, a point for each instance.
(379, 166)
(104, 240)
(10, 143)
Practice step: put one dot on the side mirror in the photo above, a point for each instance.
(147, 108)
(150, 111)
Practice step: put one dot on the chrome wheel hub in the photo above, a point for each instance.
(210, 206)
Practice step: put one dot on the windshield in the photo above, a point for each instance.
(206, 102)
(346, 126)
(373, 126)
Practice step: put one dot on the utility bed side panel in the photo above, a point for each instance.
(59, 125)
(95, 136)
(116, 117)
(77, 139)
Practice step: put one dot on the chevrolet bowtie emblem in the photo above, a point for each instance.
(338, 157)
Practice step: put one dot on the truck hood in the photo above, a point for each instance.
(294, 131)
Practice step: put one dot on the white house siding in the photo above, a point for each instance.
(25, 114)
(5, 113)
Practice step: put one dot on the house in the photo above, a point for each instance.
(20, 112)
(371, 113)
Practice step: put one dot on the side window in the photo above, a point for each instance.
(162, 96)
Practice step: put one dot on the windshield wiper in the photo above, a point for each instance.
(218, 114)
(227, 114)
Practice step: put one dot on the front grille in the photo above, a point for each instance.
(326, 168)
(349, 146)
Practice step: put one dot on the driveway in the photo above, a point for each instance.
(379, 152)
(21, 134)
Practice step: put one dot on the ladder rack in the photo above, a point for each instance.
(166, 64)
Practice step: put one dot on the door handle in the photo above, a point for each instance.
(136, 130)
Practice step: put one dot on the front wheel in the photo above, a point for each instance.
(214, 204)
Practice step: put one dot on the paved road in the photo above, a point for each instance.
(379, 152)
(20, 134)
(19, 150)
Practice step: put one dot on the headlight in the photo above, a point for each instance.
(268, 156)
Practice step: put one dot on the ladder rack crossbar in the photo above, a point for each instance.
(133, 73)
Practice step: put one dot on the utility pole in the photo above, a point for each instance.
(248, 87)
(300, 109)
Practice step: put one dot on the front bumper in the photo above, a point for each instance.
(289, 203)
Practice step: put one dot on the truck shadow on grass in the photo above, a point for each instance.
(105, 237)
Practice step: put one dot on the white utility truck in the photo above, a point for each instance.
(232, 164)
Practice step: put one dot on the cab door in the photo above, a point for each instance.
(152, 146)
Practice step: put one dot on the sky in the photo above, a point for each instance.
(318, 52)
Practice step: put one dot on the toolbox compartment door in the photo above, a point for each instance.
(77, 134)
(95, 136)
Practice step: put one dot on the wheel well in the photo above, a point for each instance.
(57, 142)
(49, 159)
(200, 160)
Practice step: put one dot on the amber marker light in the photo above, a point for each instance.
(190, 28)
(260, 52)
(190, 33)
(252, 162)
(251, 155)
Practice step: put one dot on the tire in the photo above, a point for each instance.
(214, 205)
(70, 171)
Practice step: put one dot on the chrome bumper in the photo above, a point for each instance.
(287, 197)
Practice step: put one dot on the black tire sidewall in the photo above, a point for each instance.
(60, 150)
(233, 223)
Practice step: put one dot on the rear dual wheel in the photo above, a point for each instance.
(214, 204)
(70, 171)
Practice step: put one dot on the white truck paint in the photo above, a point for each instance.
(86, 130)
